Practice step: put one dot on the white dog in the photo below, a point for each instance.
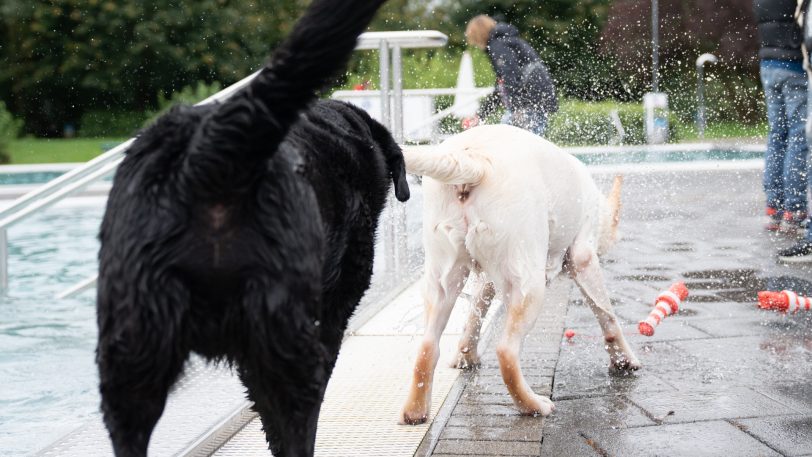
(503, 201)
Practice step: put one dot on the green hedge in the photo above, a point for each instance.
(189, 95)
(581, 124)
(110, 123)
(9, 131)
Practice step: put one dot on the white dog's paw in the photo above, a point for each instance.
(416, 409)
(624, 362)
(535, 405)
(466, 360)
(414, 415)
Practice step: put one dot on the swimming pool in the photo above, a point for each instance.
(46, 345)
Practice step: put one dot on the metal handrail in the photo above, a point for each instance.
(76, 179)
(65, 179)
(403, 39)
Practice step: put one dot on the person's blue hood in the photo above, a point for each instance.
(504, 30)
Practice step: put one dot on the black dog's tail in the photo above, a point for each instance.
(394, 159)
(228, 148)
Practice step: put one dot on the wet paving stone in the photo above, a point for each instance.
(598, 381)
(584, 414)
(496, 380)
(512, 421)
(668, 330)
(710, 404)
(717, 438)
(797, 396)
(502, 398)
(722, 377)
(479, 433)
(738, 361)
(720, 309)
(791, 436)
(527, 360)
(586, 319)
(734, 327)
(479, 409)
(491, 448)
(562, 442)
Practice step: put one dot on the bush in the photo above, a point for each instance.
(9, 130)
(110, 123)
(582, 124)
(189, 95)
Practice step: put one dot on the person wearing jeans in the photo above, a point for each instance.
(802, 250)
(785, 91)
(785, 174)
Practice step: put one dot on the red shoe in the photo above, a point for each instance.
(774, 223)
(794, 222)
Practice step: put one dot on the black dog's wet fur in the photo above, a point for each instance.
(243, 234)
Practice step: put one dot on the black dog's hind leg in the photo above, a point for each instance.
(139, 356)
(285, 368)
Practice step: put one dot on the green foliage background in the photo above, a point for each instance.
(93, 63)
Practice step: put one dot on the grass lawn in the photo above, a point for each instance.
(39, 150)
(719, 131)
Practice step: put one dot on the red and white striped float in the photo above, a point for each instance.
(666, 304)
(784, 301)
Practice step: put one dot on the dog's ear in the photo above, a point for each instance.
(399, 180)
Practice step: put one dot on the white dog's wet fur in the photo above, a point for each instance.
(507, 203)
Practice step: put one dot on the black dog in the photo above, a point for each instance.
(245, 232)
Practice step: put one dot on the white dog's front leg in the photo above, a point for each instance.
(468, 357)
(589, 277)
(440, 296)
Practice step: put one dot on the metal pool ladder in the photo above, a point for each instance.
(105, 164)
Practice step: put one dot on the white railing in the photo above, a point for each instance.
(415, 131)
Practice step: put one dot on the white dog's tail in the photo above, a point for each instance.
(610, 217)
(614, 202)
(450, 167)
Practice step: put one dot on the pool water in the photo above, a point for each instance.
(39, 177)
(47, 371)
(659, 156)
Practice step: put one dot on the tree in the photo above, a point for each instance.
(689, 28)
(62, 57)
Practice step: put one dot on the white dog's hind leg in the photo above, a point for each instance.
(522, 312)
(468, 356)
(440, 295)
(587, 273)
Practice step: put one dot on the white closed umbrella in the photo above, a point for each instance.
(466, 100)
